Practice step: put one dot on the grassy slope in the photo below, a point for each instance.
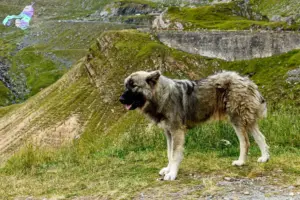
(220, 17)
(45, 62)
(52, 46)
(39, 70)
(119, 154)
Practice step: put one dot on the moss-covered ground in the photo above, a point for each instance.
(119, 154)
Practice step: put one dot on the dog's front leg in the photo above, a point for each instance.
(166, 170)
(177, 146)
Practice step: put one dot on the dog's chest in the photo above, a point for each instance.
(151, 111)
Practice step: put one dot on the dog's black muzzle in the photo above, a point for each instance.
(132, 100)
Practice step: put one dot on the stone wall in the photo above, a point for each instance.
(231, 45)
(179, 2)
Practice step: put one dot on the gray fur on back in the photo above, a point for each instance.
(186, 102)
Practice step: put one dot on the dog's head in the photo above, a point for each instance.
(139, 88)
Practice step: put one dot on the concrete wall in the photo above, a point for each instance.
(232, 45)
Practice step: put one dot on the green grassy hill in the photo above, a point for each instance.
(40, 55)
(117, 154)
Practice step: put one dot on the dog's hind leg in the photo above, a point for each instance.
(166, 170)
(244, 145)
(177, 146)
(261, 141)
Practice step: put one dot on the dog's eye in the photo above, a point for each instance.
(131, 83)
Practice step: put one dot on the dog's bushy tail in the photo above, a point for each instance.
(242, 93)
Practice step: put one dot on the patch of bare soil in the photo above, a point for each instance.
(59, 134)
(33, 121)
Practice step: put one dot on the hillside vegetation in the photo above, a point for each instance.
(62, 31)
(35, 58)
(236, 15)
(119, 153)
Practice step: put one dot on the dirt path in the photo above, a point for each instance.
(226, 188)
(213, 187)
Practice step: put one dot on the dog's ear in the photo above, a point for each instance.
(153, 77)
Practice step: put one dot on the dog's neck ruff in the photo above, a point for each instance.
(165, 86)
(161, 94)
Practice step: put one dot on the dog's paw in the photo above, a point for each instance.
(238, 163)
(171, 176)
(164, 171)
(263, 159)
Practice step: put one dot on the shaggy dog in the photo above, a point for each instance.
(177, 105)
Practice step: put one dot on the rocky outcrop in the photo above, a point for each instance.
(293, 76)
(232, 45)
(5, 78)
(244, 8)
(128, 13)
(4, 66)
(289, 20)
(124, 9)
(159, 23)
